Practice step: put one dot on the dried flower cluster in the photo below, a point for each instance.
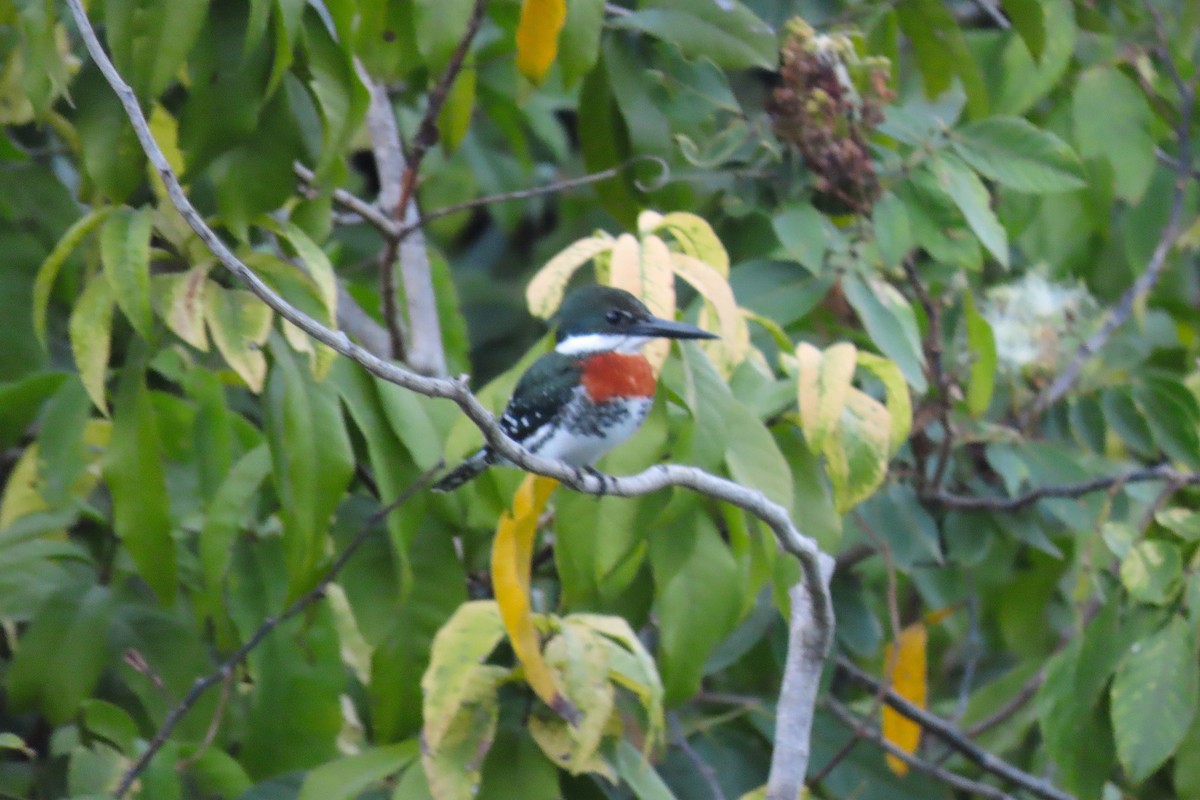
(828, 102)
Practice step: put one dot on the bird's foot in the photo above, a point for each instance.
(598, 475)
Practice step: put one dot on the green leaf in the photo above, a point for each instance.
(112, 157)
(133, 470)
(604, 144)
(1154, 697)
(941, 52)
(754, 459)
(697, 600)
(975, 203)
(90, 330)
(1015, 153)
(1112, 121)
(731, 35)
(981, 343)
(637, 773)
(223, 519)
(459, 649)
(893, 232)
(455, 116)
(1151, 571)
(891, 324)
(1183, 522)
(111, 723)
(312, 460)
(857, 458)
(125, 254)
(70, 628)
(1187, 770)
(802, 232)
(1122, 413)
(341, 97)
(579, 39)
(1028, 18)
(439, 27)
(20, 402)
(1170, 411)
(349, 777)
(150, 39)
(49, 269)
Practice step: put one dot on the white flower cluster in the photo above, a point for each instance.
(1037, 323)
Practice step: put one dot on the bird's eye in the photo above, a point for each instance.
(615, 316)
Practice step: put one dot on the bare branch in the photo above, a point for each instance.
(369, 212)
(1162, 472)
(1014, 704)
(224, 671)
(701, 766)
(954, 737)
(811, 624)
(853, 721)
(427, 131)
(937, 372)
(563, 185)
(1157, 265)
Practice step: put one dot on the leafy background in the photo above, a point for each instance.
(905, 218)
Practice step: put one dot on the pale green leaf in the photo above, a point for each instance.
(822, 386)
(1112, 121)
(731, 35)
(349, 777)
(856, 456)
(1151, 571)
(973, 200)
(459, 650)
(696, 238)
(240, 324)
(899, 404)
(90, 331)
(181, 297)
(125, 255)
(982, 345)
(891, 324)
(1014, 153)
(579, 40)
(1154, 698)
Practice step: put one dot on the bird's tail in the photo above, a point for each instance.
(466, 471)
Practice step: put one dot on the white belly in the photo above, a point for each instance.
(580, 440)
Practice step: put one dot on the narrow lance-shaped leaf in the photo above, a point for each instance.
(537, 36)
(1015, 153)
(349, 777)
(982, 344)
(133, 470)
(90, 330)
(125, 254)
(49, 269)
(908, 681)
(974, 201)
(891, 323)
(512, 554)
(240, 324)
(899, 403)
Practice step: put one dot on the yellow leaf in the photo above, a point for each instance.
(537, 36)
(22, 496)
(899, 403)
(697, 239)
(165, 130)
(456, 670)
(512, 556)
(856, 453)
(718, 295)
(658, 293)
(545, 291)
(823, 385)
(908, 681)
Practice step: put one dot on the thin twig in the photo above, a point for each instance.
(427, 131)
(937, 372)
(225, 670)
(701, 766)
(563, 185)
(1014, 704)
(889, 669)
(954, 737)
(1161, 472)
(214, 725)
(1166, 240)
(369, 212)
(853, 721)
(811, 625)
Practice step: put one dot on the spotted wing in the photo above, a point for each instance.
(541, 394)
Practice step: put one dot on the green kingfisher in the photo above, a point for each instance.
(592, 391)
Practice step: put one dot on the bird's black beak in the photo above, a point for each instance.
(667, 329)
